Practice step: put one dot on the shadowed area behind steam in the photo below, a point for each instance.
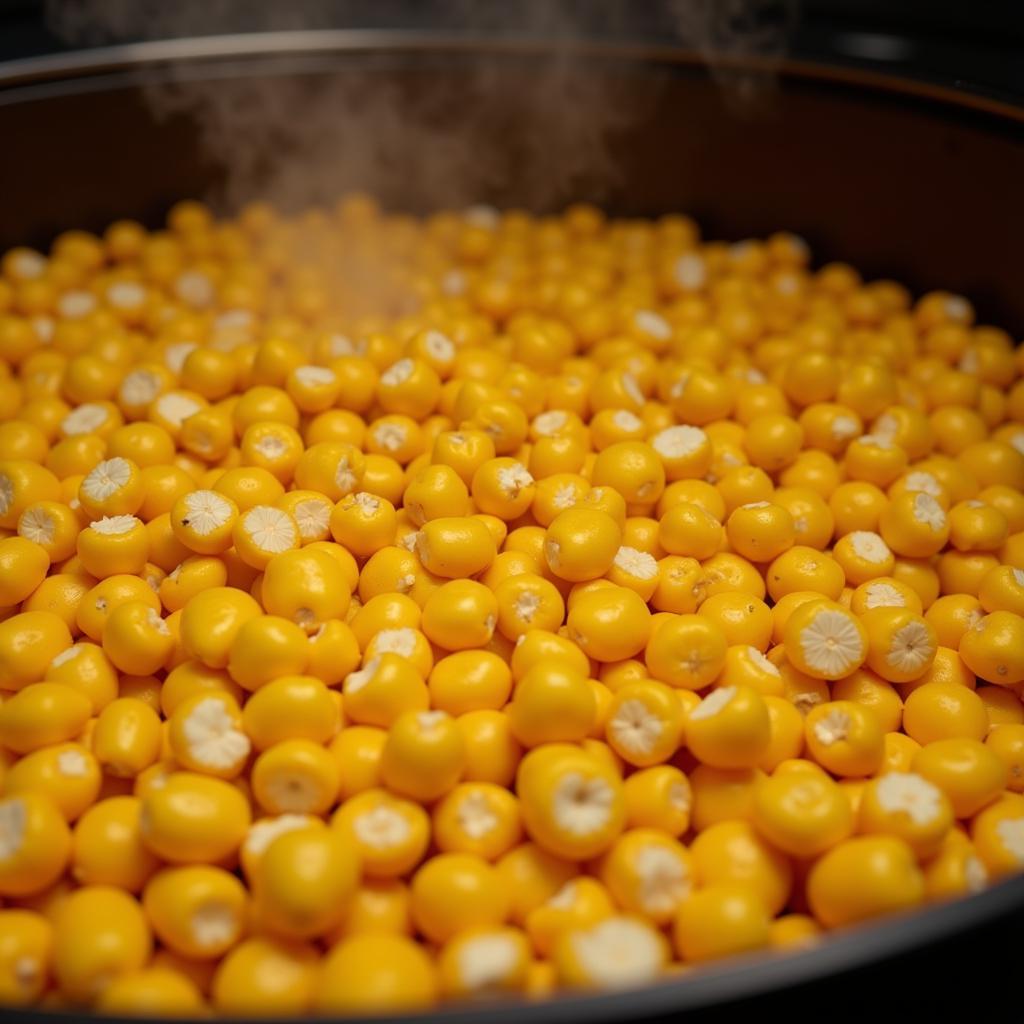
(297, 141)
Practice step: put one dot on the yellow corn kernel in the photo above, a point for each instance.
(127, 738)
(423, 756)
(863, 877)
(151, 990)
(107, 846)
(266, 975)
(572, 803)
(616, 951)
(121, 940)
(303, 881)
(66, 773)
(479, 818)
(37, 844)
(390, 834)
(377, 974)
(42, 714)
(194, 819)
(26, 949)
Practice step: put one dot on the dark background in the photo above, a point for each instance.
(977, 44)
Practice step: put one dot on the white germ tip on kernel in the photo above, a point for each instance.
(476, 816)
(975, 874)
(395, 641)
(1011, 835)
(262, 833)
(548, 423)
(397, 373)
(565, 497)
(75, 304)
(639, 564)
(206, 511)
(195, 289)
(679, 442)
(922, 481)
(512, 479)
(355, 681)
(912, 647)
(632, 388)
(339, 345)
(214, 925)
(911, 794)
(648, 322)
(154, 621)
(26, 971)
(6, 493)
(833, 727)
(106, 478)
(28, 264)
(869, 546)
(175, 355)
(13, 821)
(381, 828)
(618, 952)
(343, 475)
(844, 427)
(886, 426)
(390, 436)
(270, 446)
(428, 721)
(84, 420)
(487, 961)
(635, 727)
(313, 517)
(927, 511)
(454, 283)
(883, 441)
(37, 524)
(762, 663)
(582, 805)
(270, 529)
(713, 703)
(139, 387)
(440, 346)
(680, 796)
(68, 654)
(831, 643)
(627, 421)
(72, 763)
(526, 606)
(690, 271)
(565, 898)
(114, 526)
(212, 736)
(176, 407)
(883, 595)
(126, 295)
(664, 879)
(315, 376)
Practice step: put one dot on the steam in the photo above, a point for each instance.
(414, 140)
(742, 42)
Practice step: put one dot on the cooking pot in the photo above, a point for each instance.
(905, 178)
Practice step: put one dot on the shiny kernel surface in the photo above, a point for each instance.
(397, 611)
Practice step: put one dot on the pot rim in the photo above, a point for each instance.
(75, 65)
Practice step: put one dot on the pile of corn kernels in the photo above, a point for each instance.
(400, 610)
